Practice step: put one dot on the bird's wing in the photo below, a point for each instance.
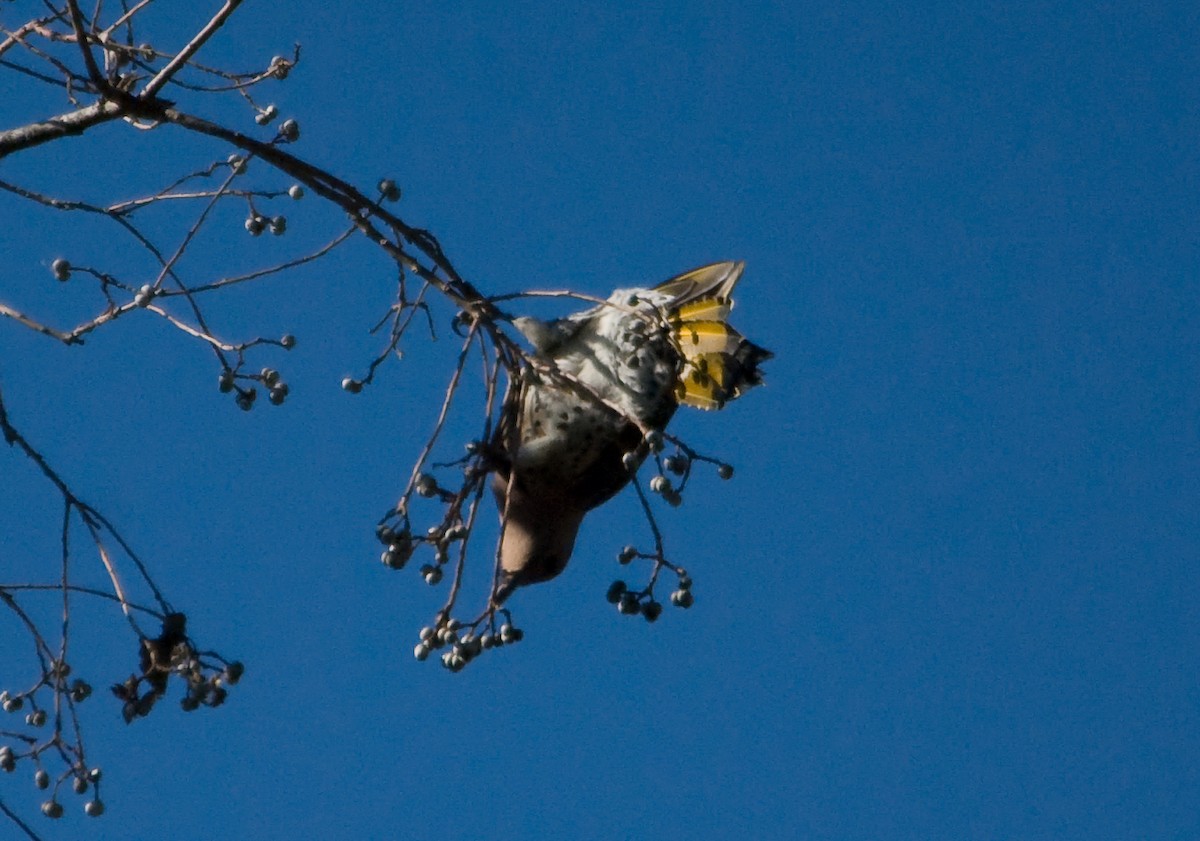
(715, 281)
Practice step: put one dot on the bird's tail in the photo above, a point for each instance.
(719, 363)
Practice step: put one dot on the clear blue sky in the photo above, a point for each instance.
(951, 592)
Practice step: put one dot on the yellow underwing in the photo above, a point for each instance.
(698, 338)
(703, 382)
(706, 309)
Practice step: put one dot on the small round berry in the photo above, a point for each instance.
(13, 705)
(421, 652)
(672, 498)
(296, 192)
(615, 591)
(254, 224)
(683, 598)
(61, 269)
(81, 690)
(654, 440)
(486, 641)
(233, 672)
(94, 808)
(627, 554)
(426, 634)
(628, 604)
(225, 382)
(266, 115)
(237, 163)
(288, 341)
(725, 471)
(506, 632)
(397, 555)
(351, 385)
(144, 295)
(245, 399)
(289, 131)
(52, 809)
(661, 485)
(147, 52)
(652, 610)
(434, 576)
(269, 376)
(426, 486)
(80, 785)
(190, 703)
(280, 67)
(630, 461)
(37, 718)
(278, 225)
(278, 394)
(685, 581)
(675, 464)
(94, 775)
(41, 779)
(389, 190)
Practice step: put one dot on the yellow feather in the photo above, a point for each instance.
(697, 397)
(700, 338)
(702, 383)
(706, 309)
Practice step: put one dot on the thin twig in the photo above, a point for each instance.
(89, 591)
(24, 827)
(151, 88)
(89, 60)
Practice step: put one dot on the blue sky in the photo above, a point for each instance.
(951, 591)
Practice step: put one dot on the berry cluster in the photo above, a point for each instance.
(83, 780)
(642, 602)
(271, 380)
(466, 642)
(400, 544)
(34, 748)
(172, 653)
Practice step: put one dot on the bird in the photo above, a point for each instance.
(609, 376)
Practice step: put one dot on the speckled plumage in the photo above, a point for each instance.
(570, 445)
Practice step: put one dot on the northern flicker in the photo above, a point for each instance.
(625, 366)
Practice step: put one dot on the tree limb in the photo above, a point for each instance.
(64, 125)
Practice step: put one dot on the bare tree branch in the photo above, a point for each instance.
(152, 87)
(70, 124)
